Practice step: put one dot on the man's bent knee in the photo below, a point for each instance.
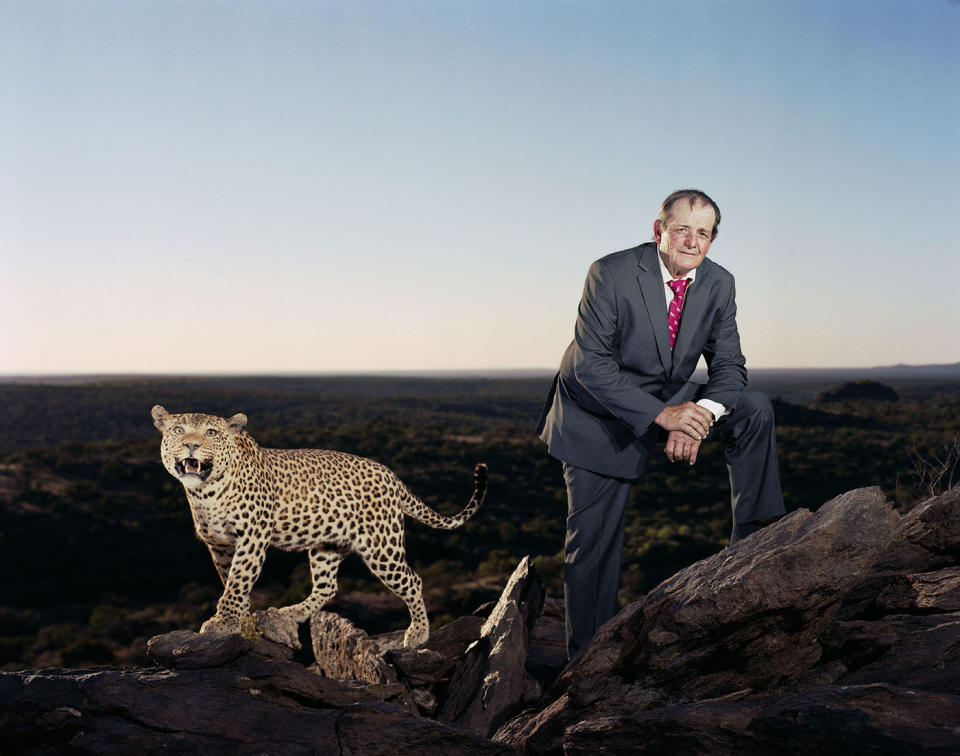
(755, 404)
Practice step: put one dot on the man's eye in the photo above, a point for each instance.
(211, 432)
(703, 234)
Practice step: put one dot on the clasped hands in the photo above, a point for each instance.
(687, 425)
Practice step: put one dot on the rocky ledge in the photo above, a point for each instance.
(831, 631)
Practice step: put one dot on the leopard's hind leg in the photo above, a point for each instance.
(324, 564)
(397, 575)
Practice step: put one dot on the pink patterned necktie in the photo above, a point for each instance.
(673, 318)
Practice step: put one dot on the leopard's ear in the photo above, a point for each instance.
(160, 417)
(236, 424)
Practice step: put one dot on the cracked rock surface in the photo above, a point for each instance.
(827, 632)
(835, 631)
(251, 703)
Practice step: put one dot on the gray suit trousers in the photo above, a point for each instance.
(596, 510)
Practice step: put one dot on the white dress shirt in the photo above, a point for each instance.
(716, 408)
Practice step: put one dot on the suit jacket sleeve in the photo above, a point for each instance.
(595, 347)
(726, 365)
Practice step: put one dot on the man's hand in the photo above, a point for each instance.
(681, 447)
(688, 417)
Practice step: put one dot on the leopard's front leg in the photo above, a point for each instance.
(222, 555)
(245, 568)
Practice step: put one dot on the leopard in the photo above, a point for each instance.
(245, 498)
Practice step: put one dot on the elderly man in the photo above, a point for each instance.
(646, 316)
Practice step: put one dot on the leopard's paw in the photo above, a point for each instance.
(415, 637)
(221, 625)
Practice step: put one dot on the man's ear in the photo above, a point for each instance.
(657, 233)
(160, 417)
(236, 424)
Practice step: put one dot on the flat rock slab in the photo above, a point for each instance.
(255, 705)
(185, 649)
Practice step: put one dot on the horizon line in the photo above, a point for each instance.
(413, 373)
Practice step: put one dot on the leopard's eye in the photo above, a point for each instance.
(212, 432)
(178, 430)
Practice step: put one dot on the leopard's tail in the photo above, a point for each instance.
(416, 509)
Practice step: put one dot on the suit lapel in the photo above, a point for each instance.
(651, 287)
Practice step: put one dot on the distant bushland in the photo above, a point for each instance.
(98, 548)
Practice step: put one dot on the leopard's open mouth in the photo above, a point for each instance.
(193, 466)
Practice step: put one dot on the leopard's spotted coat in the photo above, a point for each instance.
(244, 498)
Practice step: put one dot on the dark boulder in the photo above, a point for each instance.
(830, 623)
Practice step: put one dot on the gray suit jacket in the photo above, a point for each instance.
(618, 373)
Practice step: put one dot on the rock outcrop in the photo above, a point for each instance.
(826, 632)
(833, 631)
(472, 673)
(491, 681)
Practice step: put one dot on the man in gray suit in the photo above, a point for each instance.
(646, 316)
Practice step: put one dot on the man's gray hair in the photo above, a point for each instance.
(694, 196)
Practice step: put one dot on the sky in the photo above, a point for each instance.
(189, 186)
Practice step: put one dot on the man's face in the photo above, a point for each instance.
(685, 237)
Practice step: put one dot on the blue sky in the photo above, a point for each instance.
(317, 186)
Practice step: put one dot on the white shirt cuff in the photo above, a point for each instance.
(716, 408)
